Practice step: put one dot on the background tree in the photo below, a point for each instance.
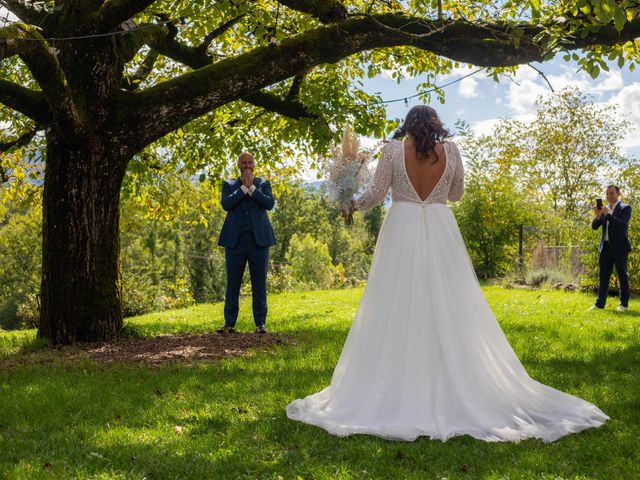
(104, 84)
(373, 221)
(310, 262)
(545, 175)
(169, 230)
(494, 204)
(567, 150)
(20, 227)
(299, 211)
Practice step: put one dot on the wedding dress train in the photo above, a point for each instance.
(425, 354)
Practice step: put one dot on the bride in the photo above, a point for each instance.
(425, 354)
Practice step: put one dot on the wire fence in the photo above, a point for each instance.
(559, 257)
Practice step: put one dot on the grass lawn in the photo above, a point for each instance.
(82, 419)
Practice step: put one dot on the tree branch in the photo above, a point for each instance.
(31, 103)
(132, 82)
(26, 13)
(163, 41)
(113, 12)
(327, 11)
(294, 90)
(46, 70)
(273, 103)
(21, 141)
(167, 106)
(217, 32)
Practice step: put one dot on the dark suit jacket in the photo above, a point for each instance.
(258, 204)
(618, 221)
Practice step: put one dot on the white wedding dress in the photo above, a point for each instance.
(425, 354)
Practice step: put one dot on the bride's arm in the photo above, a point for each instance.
(457, 184)
(377, 191)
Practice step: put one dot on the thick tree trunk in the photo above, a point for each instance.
(81, 297)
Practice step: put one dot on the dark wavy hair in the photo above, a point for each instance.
(424, 125)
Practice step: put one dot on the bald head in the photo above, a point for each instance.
(246, 161)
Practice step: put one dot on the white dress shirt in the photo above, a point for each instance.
(606, 231)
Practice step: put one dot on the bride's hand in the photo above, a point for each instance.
(351, 211)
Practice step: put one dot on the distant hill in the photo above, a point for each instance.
(315, 186)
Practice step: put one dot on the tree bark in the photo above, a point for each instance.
(81, 296)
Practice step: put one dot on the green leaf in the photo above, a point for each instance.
(619, 18)
(603, 13)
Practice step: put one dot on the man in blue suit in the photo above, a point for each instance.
(614, 246)
(246, 235)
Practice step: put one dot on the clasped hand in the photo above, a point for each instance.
(247, 178)
(351, 211)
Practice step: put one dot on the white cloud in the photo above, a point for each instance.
(529, 85)
(468, 88)
(605, 82)
(628, 99)
(525, 73)
(523, 95)
(631, 141)
(486, 127)
(610, 81)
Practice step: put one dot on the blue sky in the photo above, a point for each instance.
(481, 101)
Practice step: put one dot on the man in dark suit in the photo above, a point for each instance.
(246, 235)
(614, 246)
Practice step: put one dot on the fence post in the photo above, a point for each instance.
(520, 257)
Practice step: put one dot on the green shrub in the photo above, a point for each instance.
(28, 311)
(138, 296)
(550, 276)
(310, 262)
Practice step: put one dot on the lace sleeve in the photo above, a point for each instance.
(377, 191)
(457, 183)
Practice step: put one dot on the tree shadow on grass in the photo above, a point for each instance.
(120, 420)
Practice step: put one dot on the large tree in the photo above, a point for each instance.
(108, 81)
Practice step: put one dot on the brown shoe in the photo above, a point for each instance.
(226, 329)
(261, 329)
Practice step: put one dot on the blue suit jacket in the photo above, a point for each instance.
(258, 203)
(618, 221)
